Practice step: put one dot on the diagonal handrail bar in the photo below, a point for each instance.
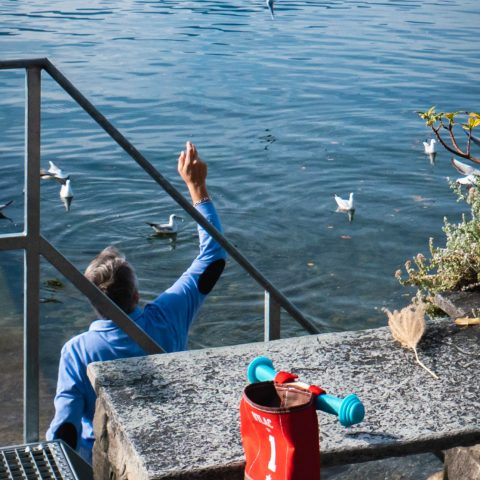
(177, 196)
(35, 245)
(89, 289)
(128, 147)
(98, 298)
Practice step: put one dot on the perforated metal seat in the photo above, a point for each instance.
(42, 461)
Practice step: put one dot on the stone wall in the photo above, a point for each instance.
(175, 416)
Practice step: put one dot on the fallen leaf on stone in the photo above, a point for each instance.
(407, 327)
(465, 321)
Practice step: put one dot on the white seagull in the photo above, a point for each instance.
(54, 173)
(470, 174)
(270, 7)
(5, 205)
(469, 180)
(170, 228)
(345, 205)
(464, 168)
(66, 194)
(429, 147)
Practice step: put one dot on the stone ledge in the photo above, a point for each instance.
(463, 463)
(175, 416)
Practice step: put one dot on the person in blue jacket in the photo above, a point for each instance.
(166, 319)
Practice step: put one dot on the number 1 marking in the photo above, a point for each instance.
(271, 464)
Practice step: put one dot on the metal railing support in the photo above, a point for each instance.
(177, 196)
(35, 245)
(31, 288)
(272, 318)
(98, 298)
(13, 241)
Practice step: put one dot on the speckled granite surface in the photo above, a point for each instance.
(176, 415)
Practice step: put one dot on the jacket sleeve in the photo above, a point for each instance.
(176, 308)
(69, 399)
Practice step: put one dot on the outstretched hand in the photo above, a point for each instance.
(193, 172)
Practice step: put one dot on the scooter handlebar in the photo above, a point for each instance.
(349, 410)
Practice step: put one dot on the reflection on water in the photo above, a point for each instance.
(287, 113)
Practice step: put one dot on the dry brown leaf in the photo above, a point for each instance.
(407, 327)
(465, 321)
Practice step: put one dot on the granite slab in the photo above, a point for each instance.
(175, 416)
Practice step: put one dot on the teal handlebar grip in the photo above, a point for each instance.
(350, 410)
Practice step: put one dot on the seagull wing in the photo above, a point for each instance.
(468, 180)
(342, 203)
(464, 169)
(54, 170)
(270, 7)
(5, 205)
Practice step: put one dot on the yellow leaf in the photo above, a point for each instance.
(465, 321)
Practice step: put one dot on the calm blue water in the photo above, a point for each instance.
(287, 113)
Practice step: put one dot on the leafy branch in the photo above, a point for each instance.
(443, 126)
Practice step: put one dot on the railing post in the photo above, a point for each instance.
(272, 318)
(31, 287)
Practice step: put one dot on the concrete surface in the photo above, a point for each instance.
(176, 415)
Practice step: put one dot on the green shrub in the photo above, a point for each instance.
(457, 265)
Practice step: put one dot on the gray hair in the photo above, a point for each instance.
(112, 274)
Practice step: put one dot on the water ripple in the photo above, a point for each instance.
(288, 112)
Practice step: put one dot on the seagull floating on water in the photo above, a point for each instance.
(345, 205)
(170, 228)
(66, 194)
(54, 173)
(5, 205)
(430, 146)
(270, 7)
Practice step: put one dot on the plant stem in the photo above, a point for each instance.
(455, 151)
(422, 365)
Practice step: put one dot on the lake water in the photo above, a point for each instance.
(287, 112)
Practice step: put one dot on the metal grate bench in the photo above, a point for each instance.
(41, 461)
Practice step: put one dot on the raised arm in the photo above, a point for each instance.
(174, 310)
(194, 173)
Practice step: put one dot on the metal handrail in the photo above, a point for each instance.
(35, 245)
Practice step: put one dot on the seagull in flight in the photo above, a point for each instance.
(54, 173)
(5, 205)
(270, 7)
(170, 228)
(464, 168)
